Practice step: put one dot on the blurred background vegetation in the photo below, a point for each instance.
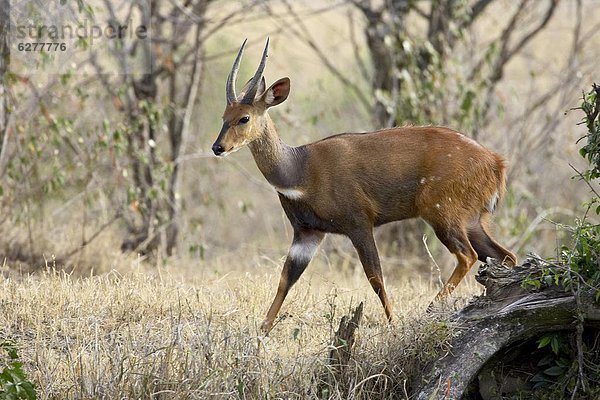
(100, 167)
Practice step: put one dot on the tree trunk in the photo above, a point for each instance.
(4, 60)
(157, 179)
(402, 238)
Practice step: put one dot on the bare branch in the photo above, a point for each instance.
(503, 39)
(305, 35)
(592, 188)
(4, 145)
(527, 38)
(192, 92)
(478, 8)
(579, 41)
(355, 48)
(367, 9)
(85, 242)
(507, 53)
(420, 12)
(226, 20)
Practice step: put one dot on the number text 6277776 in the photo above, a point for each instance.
(41, 46)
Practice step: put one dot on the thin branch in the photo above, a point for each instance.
(519, 242)
(420, 12)
(192, 92)
(5, 134)
(476, 10)
(503, 39)
(305, 35)
(563, 87)
(576, 289)
(85, 242)
(506, 53)
(180, 143)
(525, 39)
(367, 8)
(355, 48)
(585, 180)
(434, 263)
(191, 14)
(226, 20)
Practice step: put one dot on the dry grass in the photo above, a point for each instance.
(189, 329)
(163, 333)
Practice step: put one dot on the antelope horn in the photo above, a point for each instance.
(230, 88)
(253, 86)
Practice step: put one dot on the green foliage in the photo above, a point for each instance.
(583, 258)
(591, 150)
(430, 83)
(552, 340)
(14, 383)
(579, 263)
(81, 6)
(555, 369)
(576, 269)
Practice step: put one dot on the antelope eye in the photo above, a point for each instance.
(244, 119)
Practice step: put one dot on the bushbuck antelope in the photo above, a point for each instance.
(351, 182)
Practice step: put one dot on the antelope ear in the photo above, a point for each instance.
(277, 93)
(261, 89)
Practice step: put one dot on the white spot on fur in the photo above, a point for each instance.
(468, 140)
(292, 194)
(493, 202)
(437, 205)
(449, 154)
(303, 251)
(423, 180)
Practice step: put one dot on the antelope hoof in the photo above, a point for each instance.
(266, 326)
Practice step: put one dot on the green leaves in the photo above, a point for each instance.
(591, 150)
(551, 340)
(14, 383)
(80, 5)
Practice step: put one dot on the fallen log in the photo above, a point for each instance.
(508, 312)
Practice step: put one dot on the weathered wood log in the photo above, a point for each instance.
(507, 313)
(340, 352)
(343, 342)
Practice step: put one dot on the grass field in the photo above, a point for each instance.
(95, 323)
(153, 334)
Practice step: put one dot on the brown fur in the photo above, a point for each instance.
(350, 183)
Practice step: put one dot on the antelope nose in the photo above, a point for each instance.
(218, 149)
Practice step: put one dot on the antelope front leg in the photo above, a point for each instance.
(365, 246)
(303, 248)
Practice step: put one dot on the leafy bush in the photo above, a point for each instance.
(591, 150)
(579, 262)
(583, 258)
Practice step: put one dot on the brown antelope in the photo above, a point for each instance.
(351, 182)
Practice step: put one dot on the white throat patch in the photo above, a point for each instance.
(292, 194)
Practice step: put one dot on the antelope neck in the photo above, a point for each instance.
(281, 165)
